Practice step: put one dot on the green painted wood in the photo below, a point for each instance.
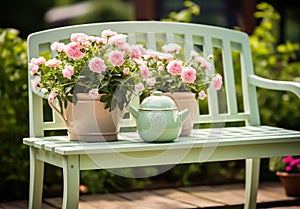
(71, 182)
(36, 180)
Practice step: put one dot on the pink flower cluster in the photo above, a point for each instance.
(111, 54)
(291, 163)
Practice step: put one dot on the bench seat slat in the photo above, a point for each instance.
(228, 136)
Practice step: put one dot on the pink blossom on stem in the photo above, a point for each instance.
(53, 62)
(33, 68)
(135, 52)
(94, 93)
(51, 96)
(287, 159)
(151, 81)
(116, 58)
(108, 33)
(38, 61)
(98, 40)
(79, 37)
(126, 70)
(144, 71)
(68, 71)
(202, 95)
(139, 87)
(97, 65)
(175, 67)
(203, 62)
(117, 40)
(188, 75)
(288, 168)
(36, 82)
(73, 50)
(172, 47)
(194, 54)
(125, 47)
(59, 47)
(160, 68)
(217, 82)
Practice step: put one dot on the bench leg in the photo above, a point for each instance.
(71, 182)
(36, 181)
(252, 181)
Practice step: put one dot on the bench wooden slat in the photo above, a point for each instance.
(200, 138)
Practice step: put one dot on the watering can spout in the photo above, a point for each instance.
(133, 110)
(183, 115)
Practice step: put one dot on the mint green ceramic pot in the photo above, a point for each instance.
(158, 119)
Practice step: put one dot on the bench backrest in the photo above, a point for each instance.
(232, 59)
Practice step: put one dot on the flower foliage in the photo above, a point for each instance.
(109, 66)
(289, 164)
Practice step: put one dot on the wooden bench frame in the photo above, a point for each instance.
(250, 142)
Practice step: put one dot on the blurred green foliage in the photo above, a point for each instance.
(271, 59)
(276, 61)
(14, 114)
(186, 14)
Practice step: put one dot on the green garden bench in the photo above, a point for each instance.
(249, 141)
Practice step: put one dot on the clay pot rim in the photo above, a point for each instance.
(284, 173)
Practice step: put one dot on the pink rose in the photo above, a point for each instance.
(160, 68)
(172, 47)
(118, 40)
(53, 62)
(202, 95)
(51, 96)
(108, 33)
(36, 82)
(97, 40)
(125, 47)
(116, 58)
(33, 68)
(139, 87)
(94, 93)
(194, 54)
(73, 51)
(126, 70)
(174, 67)
(59, 47)
(203, 62)
(38, 61)
(217, 82)
(68, 71)
(135, 52)
(151, 81)
(188, 75)
(79, 37)
(97, 65)
(144, 71)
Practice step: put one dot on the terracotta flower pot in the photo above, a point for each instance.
(88, 120)
(186, 100)
(290, 182)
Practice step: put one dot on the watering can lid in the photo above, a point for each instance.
(157, 101)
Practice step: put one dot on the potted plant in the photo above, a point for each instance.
(107, 69)
(186, 81)
(288, 170)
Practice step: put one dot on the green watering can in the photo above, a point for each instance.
(158, 118)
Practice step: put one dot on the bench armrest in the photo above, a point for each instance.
(275, 84)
